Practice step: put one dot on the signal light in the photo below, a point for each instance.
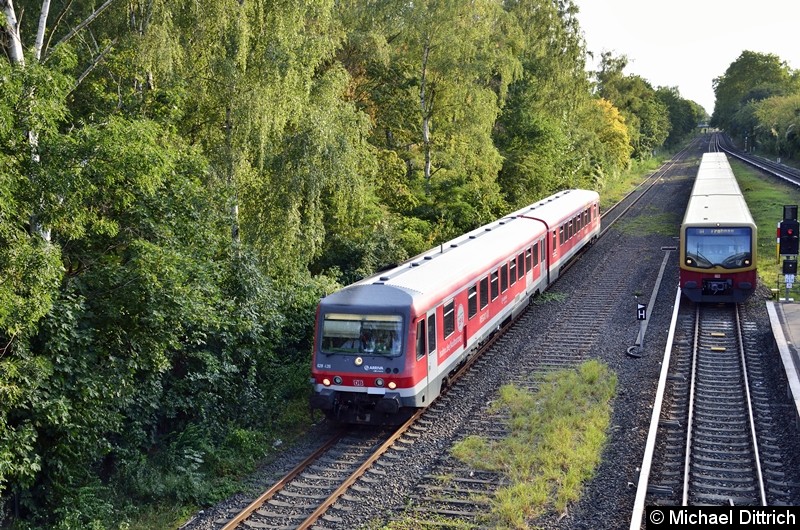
(787, 237)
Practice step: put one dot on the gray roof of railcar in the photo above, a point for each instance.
(467, 256)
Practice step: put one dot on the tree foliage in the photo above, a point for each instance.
(751, 77)
(645, 114)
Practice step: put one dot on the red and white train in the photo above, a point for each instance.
(387, 345)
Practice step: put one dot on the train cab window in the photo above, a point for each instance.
(421, 339)
(529, 259)
(449, 318)
(521, 265)
(495, 289)
(503, 279)
(484, 292)
(728, 247)
(512, 271)
(432, 333)
(358, 334)
(472, 303)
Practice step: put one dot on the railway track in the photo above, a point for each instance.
(786, 173)
(712, 444)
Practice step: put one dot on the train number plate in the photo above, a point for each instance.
(358, 382)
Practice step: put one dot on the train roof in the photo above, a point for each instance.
(716, 198)
(717, 210)
(471, 254)
(715, 176)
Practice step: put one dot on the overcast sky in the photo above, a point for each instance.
(687, 43)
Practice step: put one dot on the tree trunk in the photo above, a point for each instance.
(424, 106)
(42, 27)
(14, 42)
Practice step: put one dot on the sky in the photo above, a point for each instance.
(687, 43)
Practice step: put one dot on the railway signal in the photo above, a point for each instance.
(788, 232)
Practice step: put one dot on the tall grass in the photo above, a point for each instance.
(555, 444)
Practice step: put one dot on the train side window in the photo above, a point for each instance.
(432, 333)
(512, 271)
(495, 290)
(449, 319)
(554, 240)
(578, 220)
(536, 254)
(484, 292)
(544, 251)
(521, 265)
(421, 339)
(503, 278)
(561, 235)
(472, 303)
(529, 259)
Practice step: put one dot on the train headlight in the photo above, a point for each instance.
(392, 385)
(326, 382)
(337, 380)
(747, 262)
(379, 382)
(688, 261)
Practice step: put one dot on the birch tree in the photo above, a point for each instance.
(439, 71)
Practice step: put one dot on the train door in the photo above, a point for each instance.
(433, 361)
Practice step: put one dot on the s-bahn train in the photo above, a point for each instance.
(386, 346)
(718, 237)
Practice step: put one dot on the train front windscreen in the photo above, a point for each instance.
(726, 247)
(362, 334)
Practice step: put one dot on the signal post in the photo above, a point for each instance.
(788, 243)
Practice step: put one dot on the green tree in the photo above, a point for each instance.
(751, 77)
(540, 133)
(779, 122)
(646, 116)
(436, 83)
(684, 115)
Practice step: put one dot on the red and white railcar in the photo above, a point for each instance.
(386, 345)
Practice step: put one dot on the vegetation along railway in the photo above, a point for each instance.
(419, 473)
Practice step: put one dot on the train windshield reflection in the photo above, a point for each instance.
(362, 334)
(730, 248)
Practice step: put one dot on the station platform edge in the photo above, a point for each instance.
(784, 318)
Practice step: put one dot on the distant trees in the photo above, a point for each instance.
(646, 115)
(756, 103)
